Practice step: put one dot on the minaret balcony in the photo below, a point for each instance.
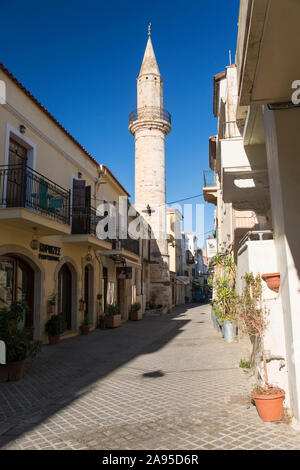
(150, 113)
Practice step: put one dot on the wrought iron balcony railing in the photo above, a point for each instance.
(85, 220)
(256, 235)
(209, 178)
(20, 186)
(131, 244)
(149, 112)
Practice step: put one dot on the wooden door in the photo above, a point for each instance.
(16, 175)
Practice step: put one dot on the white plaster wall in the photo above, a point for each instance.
(233, 154)
(260, 257)
(283, 148)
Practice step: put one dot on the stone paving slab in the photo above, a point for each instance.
(167, 382)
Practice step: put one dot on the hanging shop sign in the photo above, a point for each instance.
(124, 272)
(49, 252)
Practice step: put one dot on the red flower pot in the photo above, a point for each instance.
(272, 280)
(269, 407)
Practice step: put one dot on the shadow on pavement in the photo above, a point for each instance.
(65, 372)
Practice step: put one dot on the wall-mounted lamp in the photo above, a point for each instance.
(34, 244)
(79, 174)
(89, 254)
(22, 129)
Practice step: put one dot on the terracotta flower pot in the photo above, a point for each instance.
(85, 329)
(272, 280)
(135, 316)
(113, 321)
(15, 370)
(269, 407)
(54, 339)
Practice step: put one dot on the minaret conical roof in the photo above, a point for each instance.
(149, 64)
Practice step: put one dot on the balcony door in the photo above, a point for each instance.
(81, 207)
(16, 175)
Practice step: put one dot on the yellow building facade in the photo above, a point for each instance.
(50, 188)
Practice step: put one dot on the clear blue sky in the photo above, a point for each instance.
(80, 58)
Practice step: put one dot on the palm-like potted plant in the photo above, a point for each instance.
(55, 326)
(135, 312)
(254, 321)
(85, 325)
(18, 341)
(113, 318)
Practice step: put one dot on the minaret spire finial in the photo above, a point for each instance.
(149, 30)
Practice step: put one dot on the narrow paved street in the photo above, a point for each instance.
(167, 382)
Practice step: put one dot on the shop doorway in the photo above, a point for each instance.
(17, 284)
(65, 294)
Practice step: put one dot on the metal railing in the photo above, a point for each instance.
(209, 178)
(256, 235)
(150, 112)
(232, 129)
(131, 244)
(21, 186)
(85, 220)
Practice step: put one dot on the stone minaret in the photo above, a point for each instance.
(150, 124)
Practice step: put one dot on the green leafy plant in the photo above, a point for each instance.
(113, 310)
(55, 325)
(86, 320)
(245, 364)
(18, 341)
(253, 314)
(136, 307)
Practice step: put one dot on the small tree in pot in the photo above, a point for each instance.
(254, 321)
(113, 319)
(85, 325)
(55, 326)
(135, 312)
(18, 340)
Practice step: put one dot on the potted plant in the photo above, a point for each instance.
(254, 321)
(226, 313)
(85, 325)
(55, 326)
(101, 321)
(272, 280)
(18, 341)
(113, 319)
(135, 312)
(51, 304)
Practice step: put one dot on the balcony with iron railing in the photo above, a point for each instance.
(210, 186)
(131, 244)
(24, 188)
(85, 221)
(209, 178)
(150, 112)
